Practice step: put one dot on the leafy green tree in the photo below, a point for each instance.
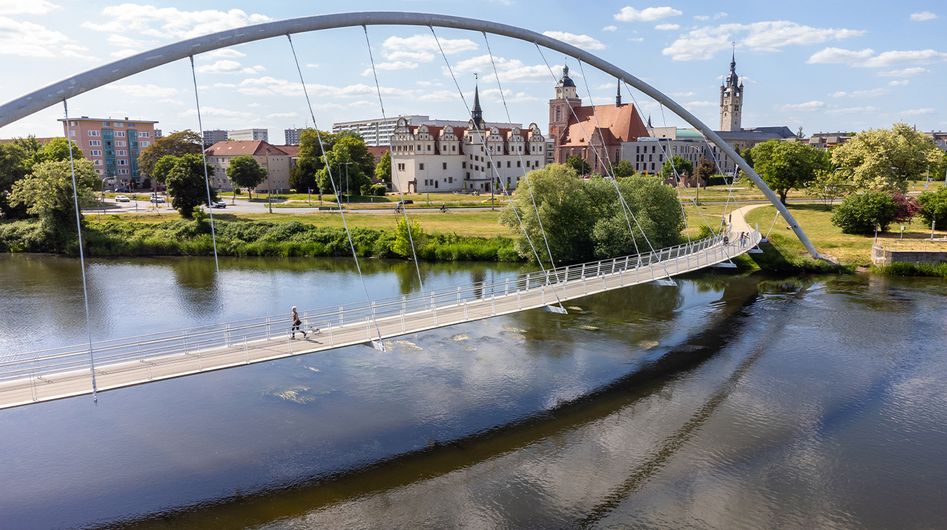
(584, 220)
(351, 165)
(14, 165)
(788, 165)
(676, 167)
(185, 181)
(47, 193)
(163, 166)
(310, 159)
(175, 144)
(885, 159)
(401, 246)
(934, 207)
(57, 149)
(579, 164)
(829, 185)
(624, 169)
(861, 213)
(383, 168)
(244, 171)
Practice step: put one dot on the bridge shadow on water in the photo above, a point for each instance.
(652, 376)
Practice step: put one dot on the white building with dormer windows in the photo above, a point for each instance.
(477, 158)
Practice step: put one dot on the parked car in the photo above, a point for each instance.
(157, 200)
(406, 201)
(218, 204)
(122, 198)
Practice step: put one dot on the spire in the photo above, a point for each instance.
(733, 56)
(649, 122)
(618, 94)
(477, 113)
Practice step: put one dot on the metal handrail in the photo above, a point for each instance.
(204, 339)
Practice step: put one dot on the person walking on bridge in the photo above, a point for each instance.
(297, 323)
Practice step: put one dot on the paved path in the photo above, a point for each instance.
(125, 362)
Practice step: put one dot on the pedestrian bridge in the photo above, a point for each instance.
(64, 372)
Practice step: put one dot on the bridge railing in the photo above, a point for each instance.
(152, 347)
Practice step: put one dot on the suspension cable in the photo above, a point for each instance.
(85, 287)
(391, 154)
(200, 125)
(529, 187)
(676, 174)
(380, 345)
(495, 172)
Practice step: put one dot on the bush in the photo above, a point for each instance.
(934, 207)
(860, 214)
(378, 190)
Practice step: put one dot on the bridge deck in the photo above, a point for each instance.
(55, 374)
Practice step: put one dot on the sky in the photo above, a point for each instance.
(823, 66)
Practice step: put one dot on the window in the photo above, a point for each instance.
(428, 147)
(400, 167)
(421, 166)
(97, 162)
(450, 180)
(142, 134)
(463, 165)
(519, 164)
(119, 143)
(453, 148)
(120, 134)
(95, 142)
(508, 163)
(72, 133)
(122, 162)
(144, 144)
(121, 152)
(119, 124)
(72, 123)
(93, 133)
(419, 147)
(489, 165)
(123, 171)
(96, 152)
(444, 165)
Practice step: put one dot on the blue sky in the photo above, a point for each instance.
(818, 65)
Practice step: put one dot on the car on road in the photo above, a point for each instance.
(157, 200)
(404, 202)
(122, 198)
(218, 204)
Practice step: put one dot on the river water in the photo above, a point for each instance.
(724, 402)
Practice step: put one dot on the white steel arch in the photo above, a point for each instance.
(103, 75)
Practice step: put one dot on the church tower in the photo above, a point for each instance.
(731, 99)
(560, 113)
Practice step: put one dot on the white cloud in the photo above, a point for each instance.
(899, 82)
(170, 23)
(509, 69)
(917, 112)
(122, 53)
(227, 66)
(766, 36)
(853, 110)
(807, 106)
(717, 16)
(27, 7)
(312, 65)
(223, 53)
(26, 39)
(271, 86)
(700, 104)
(580, 41)
(281, 115)
(390, 66)
(216, 112)
(923, 16)
(687, 94)
(871, 93)
(610, 27)
(421, 48)
(904, 72)
(867, 58)
(648, 14)
(146, 90)
(635, 39)
(667, 27)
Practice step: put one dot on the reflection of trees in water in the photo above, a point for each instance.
(875, 292)
(407, 274)
(197, 287)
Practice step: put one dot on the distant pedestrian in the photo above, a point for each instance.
(297, 323)
(730, 219)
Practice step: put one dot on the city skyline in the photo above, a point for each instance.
(817, 66)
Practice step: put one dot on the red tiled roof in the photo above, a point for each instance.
(244, 147)
(617, 124)
(291, 150)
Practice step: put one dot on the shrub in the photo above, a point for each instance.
(908, 207)
(934, 207)
(860, 214)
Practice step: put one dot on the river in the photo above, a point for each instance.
(725, 401)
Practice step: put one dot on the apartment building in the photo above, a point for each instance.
(113, 146)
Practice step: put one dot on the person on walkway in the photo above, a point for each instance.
(296, 324)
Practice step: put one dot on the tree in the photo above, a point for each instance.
(57, 149)
(624, 169)
(401, 246)
(934, 207)
(579, 164)
(862, 213)
(13, 167)
(788, 165)
(175, 144)
(885, 159)
(245, 172)
(185, 181)
(47, 193)
(829, 185)
(705, 170)
(383, 168)
(676, 168)
(584, 220)
(350, 164)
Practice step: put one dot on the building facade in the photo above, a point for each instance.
(377, 132)
(648, 154)
(112, 145)
(277, 162)
(731, 99)
(213, 136)
(594, 133)
(475, 158)
(291, 136)
(249, 134)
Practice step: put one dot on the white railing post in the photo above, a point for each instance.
(246, 350)
(228, 335)
(506, 287)
(267, 328)
(404, 309)
(527, 282)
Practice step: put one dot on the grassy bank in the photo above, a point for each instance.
(283, 236)
(912, 269)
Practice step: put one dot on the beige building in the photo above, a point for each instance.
(277, 163)
(476, 158)
(113, 146)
